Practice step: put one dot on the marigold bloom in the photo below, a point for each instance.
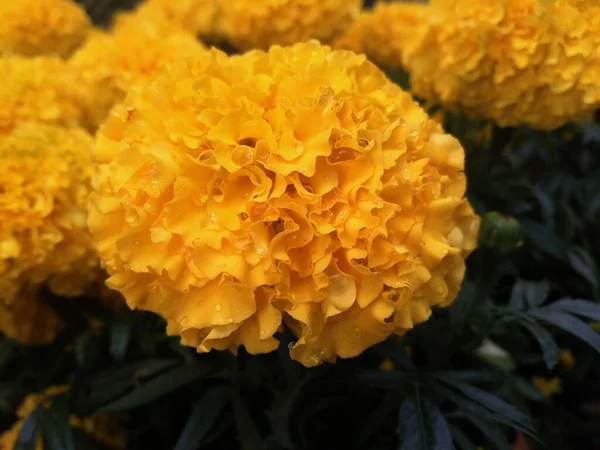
(113, 62)
(29, 320)
(516, 62)
(298, 184)
(42, 89)
(45, 179)
(36, 27)
(196, 16)
(106, 429)
(251, 24)
(382, 33)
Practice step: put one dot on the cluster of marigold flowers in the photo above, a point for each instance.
(290, 185)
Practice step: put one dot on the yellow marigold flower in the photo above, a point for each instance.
(45, 174)
(113, 62)
(28, 320)
(42, 89)
(298, 184)
(382, 33)
(261, 23)
(516, 62)
(36, 27)
(196, 16)
(106, 429)
(547, 386)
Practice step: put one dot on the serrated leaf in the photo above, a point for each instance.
(120, 334)
(583, 308)
(500, 409)
(202, 418)
(570, 324)
(546, 341)
(155, 388)
(422, 426)
(56, 432)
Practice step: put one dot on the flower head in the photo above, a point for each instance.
(196, 16)
(106, 429)
(43, 89)
(532, 62)
(382, 33)
(45, 179)
(36, 27)
(111, 63)
(261, 23)
(297, 185)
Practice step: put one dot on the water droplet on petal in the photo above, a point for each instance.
(184, 322)
(242, 155)
(230, 320)
(218, 307)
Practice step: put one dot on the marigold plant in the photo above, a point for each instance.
(36, 27)
(104, 428)
(45, 179)
(298, 184)
(261, 23)
(531, 62)
(382, 33)
(43, 89)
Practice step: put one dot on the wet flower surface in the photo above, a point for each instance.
(297, 185)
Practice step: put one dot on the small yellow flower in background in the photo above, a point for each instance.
(29, 320)
(387, 365)
(547, 386)
(106, 429)
(595, 326)
(43, 89)
(251, 24)
(37, 27)
(111, 63)
(566, 359)
(515, 62)
(45, 180)
(382, 33)
(199, 17)
(298, 185)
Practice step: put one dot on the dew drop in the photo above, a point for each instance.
(218, 307)
(184, 322)
(291, 345)
(230, 320)
(262, 333)
(242, 155)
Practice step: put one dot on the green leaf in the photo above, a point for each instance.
(56, 432)
(583, 263)
(543, 238)
(203, 417)
(422, 426)
(499, 409)
(583, 308)
(120, 334)
(30, 430)
(545, 339)
(491, 433)
(155, 388)
(570, 324)
(248, 435)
